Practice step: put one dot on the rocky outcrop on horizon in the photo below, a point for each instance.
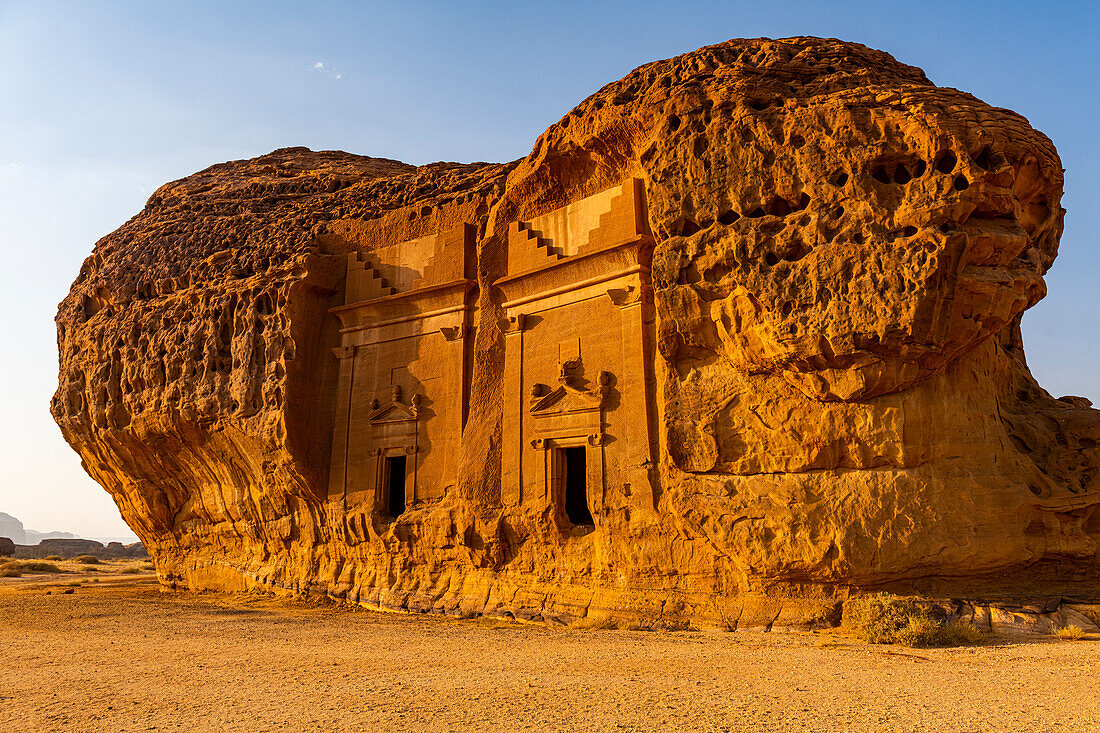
(12, 528)
(74, 547)
(34, 538)
(821, 388)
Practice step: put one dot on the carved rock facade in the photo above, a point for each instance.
(739, 337)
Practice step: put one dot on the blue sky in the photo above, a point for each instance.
(102, 102)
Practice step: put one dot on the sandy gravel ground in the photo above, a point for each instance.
(121, 655)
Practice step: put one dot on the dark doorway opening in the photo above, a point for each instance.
(395, 479)
(576, 486)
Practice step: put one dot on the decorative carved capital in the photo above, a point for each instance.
(627, 296)
(515, 323)
(453, 333)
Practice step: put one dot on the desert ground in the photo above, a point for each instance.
(119, 654)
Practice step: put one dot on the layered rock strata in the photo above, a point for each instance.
(740, 336)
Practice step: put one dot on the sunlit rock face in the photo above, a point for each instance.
(738, 337)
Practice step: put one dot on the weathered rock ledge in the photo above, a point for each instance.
(757, 306)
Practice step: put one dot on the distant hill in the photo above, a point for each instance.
(13, 529)
(33, 538)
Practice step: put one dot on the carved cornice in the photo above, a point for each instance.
(407, 306)
(610, 262)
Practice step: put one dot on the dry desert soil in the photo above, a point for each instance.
(122, 655)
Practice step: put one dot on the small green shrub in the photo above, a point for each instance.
(962, 633)
(919, 631)
(1069, 633)
(86, 559)
(883, 618)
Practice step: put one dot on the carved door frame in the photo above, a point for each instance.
(390, 443)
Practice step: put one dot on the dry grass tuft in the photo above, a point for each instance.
(27, 566)
(132, 570)
(1069, 633)
(883, 618)
(963, 633)
(86, 559)
(55, 558)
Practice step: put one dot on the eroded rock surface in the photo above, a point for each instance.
(829, 263)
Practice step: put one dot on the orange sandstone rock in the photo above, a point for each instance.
(738, 337)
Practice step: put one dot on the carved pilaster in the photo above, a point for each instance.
(512, 454)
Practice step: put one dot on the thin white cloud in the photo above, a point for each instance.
(330, 73)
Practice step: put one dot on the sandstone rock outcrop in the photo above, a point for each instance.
(738, 337)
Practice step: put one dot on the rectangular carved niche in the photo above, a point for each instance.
(578, 351)
(402, 395)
